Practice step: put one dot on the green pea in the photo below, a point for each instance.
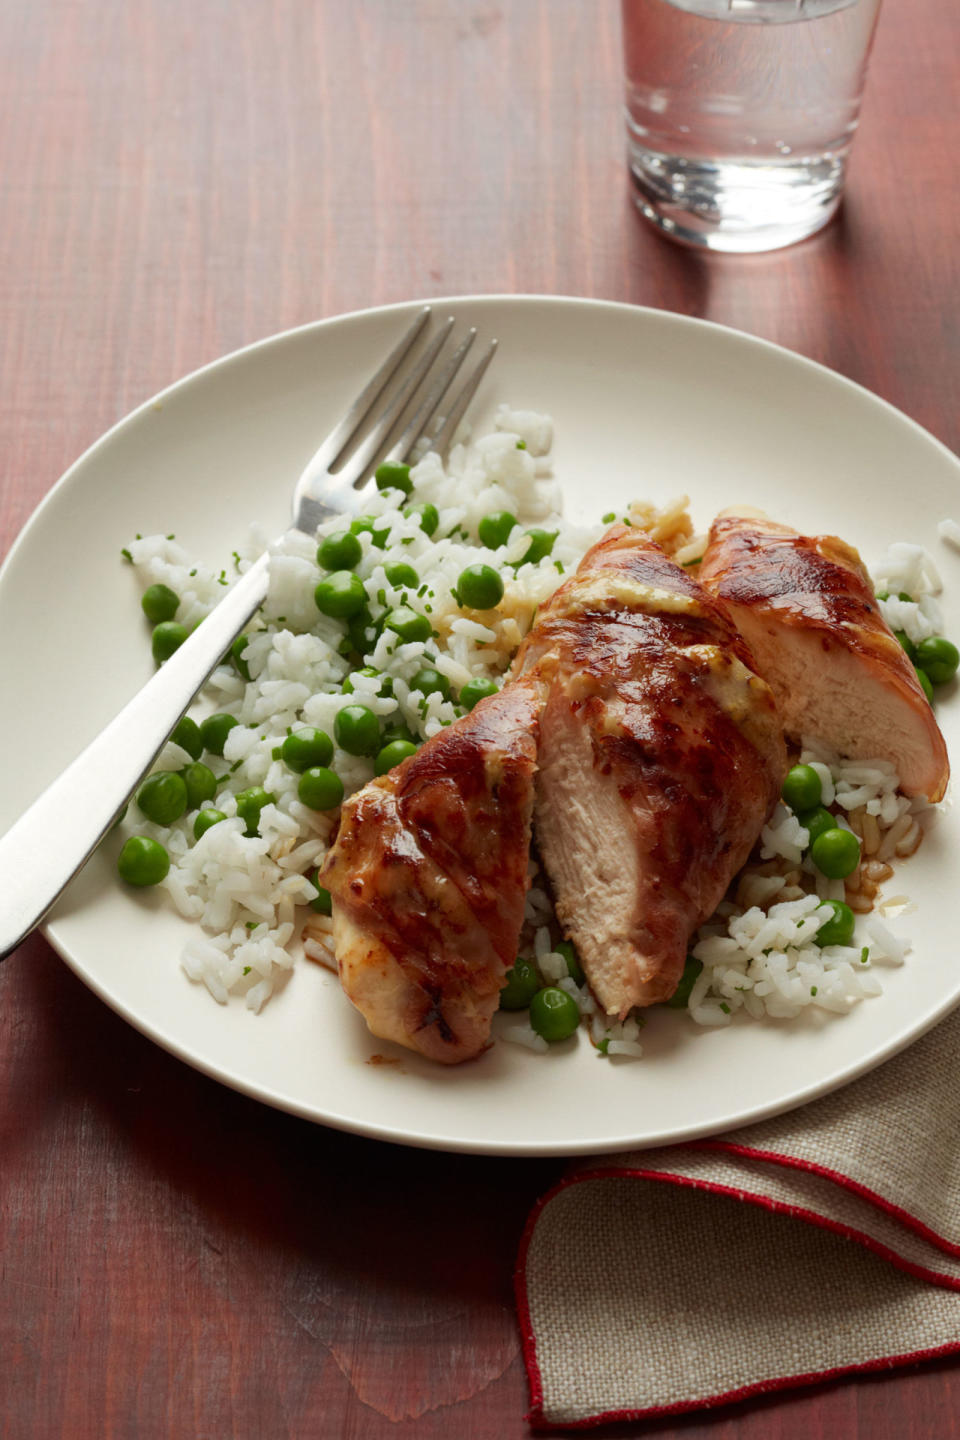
(393, 475)
(159, 602)
(554, 1014)
(167, 637)
(143, 861)
(369, 670)
(521, 983)
(397, 731)
(205, 820)
(340, 595)
(236, 655)
(407, 624)
(837, 929)
(163, 797)
(939, 658)
(323, 904)
(367, 523)
(494, 530)
(906, 643)
(303, 749)
(680, 998)
(201, 784)
(357, 730)
(320, 788)
(474, 691)
(926, 685)
(569, 953)
(430, 682)
(341, 551)
(541, 544)
(359, 628)
(187, 736)
(399, 573)
(429, 517)
(249, 804)
(393, 754)
(479, 588)
(214, 731)
(802, 789)
(816, 821)
(836, 853)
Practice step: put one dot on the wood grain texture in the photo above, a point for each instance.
(180, 179)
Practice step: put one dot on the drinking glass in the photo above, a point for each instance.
(741, 113)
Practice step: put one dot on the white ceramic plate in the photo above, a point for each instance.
(646, 404)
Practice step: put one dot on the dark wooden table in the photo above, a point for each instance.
(178, 179)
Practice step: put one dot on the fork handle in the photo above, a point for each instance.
(52, 840)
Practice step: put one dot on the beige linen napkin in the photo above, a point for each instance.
(820, 1243)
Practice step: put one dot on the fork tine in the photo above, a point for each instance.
(424, 414)
(344, 431)
(365, 451)
(444, 437)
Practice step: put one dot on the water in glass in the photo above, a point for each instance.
(741, 113)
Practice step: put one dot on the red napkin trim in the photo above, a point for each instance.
(535, 1415)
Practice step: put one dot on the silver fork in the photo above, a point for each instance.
(53, 839)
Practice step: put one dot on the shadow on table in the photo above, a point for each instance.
(397, 1262)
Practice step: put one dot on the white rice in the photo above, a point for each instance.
(248, 893)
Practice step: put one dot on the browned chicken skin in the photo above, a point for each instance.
(661, 756)
(806, 607)
(428, 877)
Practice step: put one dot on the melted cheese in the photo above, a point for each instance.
(612, 590)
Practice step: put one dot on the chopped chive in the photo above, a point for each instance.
(428, 609)
(724, 1007)
(193, 572)
(421, 592)
(864, 954)
(609, 518)
(813, 989)
(603, 1045)
(234, 767)
(627, 521)
(521, 444)
(688, 563)
(236, 559)
(138, 536)
(559, 565)
(171, 537)
(276, 753)
(247, 969)
(126, 555)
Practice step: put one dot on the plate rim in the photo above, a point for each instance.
(393, 1134)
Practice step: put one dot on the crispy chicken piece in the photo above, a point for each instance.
(661, 756)
(806, 608)
(428, 877)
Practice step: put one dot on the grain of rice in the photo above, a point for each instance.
(893, 836)
(911, 840)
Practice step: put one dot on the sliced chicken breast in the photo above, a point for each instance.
(806, 608)
(428, 878)
(661, 756)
